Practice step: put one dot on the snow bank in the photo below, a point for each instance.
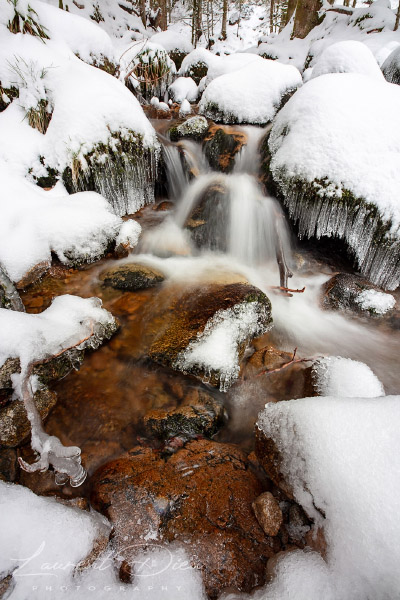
(66, 322)
(183, 88)
(229, 64)
(35, 223)
(336, 454)
(173, 41)
(251, 94)
(345, 378)
(347, 57)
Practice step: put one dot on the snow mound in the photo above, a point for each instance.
(129, 234)
(375, 302)
(183, 88)
(336, 457)
(173, 41)
(230, 63)
(334, 153)
(35, 223)
(345, 378)
(252, 94)
(65, 323)
(347, 57)
(199, 56)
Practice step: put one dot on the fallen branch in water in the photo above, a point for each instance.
(285, 289)
(292, 361)
(66, 461)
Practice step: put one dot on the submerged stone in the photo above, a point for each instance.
(201, 495)
(221, 145)
(131, 277)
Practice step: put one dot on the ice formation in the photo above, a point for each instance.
(375, 302)
(338, 168)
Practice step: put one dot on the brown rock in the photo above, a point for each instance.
(270, 460)
(221, 145)
(201, 495)
(268, 514)
(14, 424)
(33, 274)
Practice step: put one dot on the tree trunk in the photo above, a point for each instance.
(306, 17)
(396, 25)
(164, 14)
(224, 19)
(142, 10)
(271, 15)
(290, 10)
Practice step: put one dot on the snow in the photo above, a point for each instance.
(197, 56)
(216, 349)
(183, 88)
(376, 302)
(67, 321)
(391, 66)
(347, 57)
(319, 135)
(173, 41)
(34, 223)
(345, 378)
(129, 233)
(336, 455)
(185, 108)
(251, 94)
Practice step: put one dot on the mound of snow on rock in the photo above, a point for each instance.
(183, 88)
(251, 94)
(347, 57)
(345, 378)
(173, 41)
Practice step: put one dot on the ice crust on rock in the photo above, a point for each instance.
(375, 302)
(345, 378)
(216, 349)
(322, 150)
(251, 94)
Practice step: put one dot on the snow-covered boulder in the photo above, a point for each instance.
(391, 67)
(252, 94)
(337, 167)
(197, 63)
(194, 127)
(347, 57)
(176, 44)
(334, 453)
(183, 88)
(345, 378)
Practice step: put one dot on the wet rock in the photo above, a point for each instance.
(270, 459)
(8, 464)
(207, 221)
(199, 414)
(187, 316)
(14, 424)
(34, 274)
(342, 292)
(268, 513)
(202, 496)
(221, 145)
(391, 67)
(194, 128)
(131, 277)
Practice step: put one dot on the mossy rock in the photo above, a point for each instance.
(194, 128)
(197, 71)
(131, 277)
(177, 57)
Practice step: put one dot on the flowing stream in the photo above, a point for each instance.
(244, 234)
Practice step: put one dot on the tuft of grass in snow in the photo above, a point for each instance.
(26, 20)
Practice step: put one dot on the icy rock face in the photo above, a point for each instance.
(251, 94)
(195, 128)
(391, 67)
(9, 297)
(338, 169)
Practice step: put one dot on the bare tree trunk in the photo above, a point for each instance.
(271, 15)
(164, 14)
(306, 17)
(290, 10)
(240, 16)
(396, 25)
(142, 10)
(224, 19)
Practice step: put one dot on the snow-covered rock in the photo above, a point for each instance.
(185, 108)
(197, 63)
(375, 302)
(251, 94)
(173, 41)
(345, 378)
(337, 167)
(347, 57)
(391, 67)
(335, 455)
(183, 88)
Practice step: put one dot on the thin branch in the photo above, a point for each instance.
(292, 361)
